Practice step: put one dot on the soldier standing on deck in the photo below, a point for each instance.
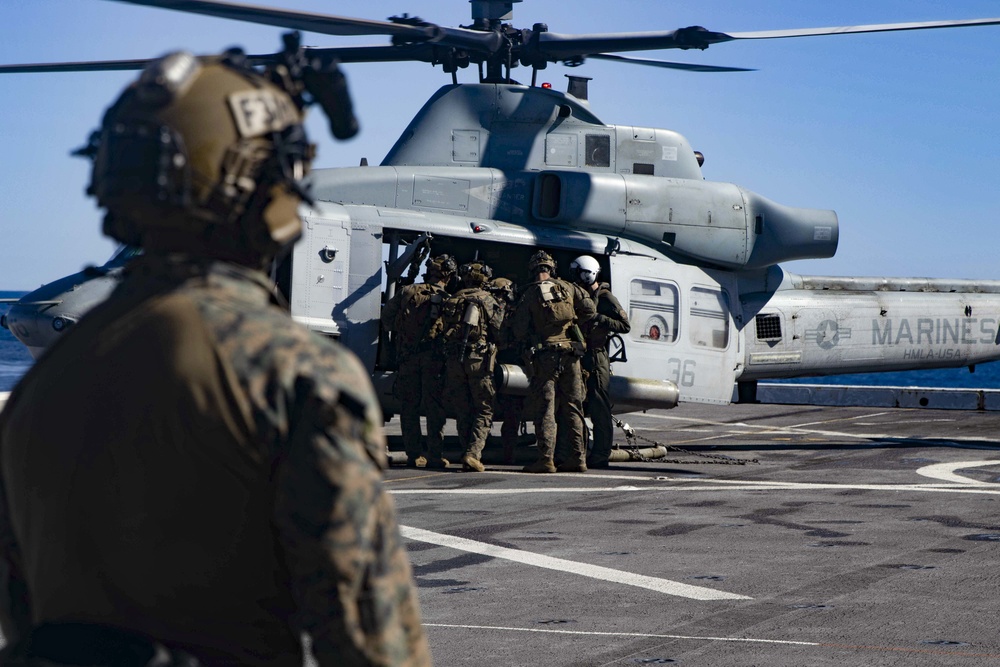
(610, 319)
(507, 408)
(212, 490)
(546, 324)
(472, 324)
(414, 314)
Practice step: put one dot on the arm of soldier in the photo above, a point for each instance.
(390, 310)
(584, 306)
(495, 315)
(520, 321)
(614, 316)
(350, 574)
(15, 607)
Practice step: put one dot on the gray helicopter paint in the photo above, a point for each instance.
(40, 317)
(337, 278)
(714, 222)
(524, 134)
(512, 127)
(844, 325)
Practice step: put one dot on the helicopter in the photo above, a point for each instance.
(497, 169)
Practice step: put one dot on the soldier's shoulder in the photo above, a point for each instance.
(265, 342)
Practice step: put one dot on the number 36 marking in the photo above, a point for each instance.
(681, 372)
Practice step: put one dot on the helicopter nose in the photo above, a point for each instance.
(34, 326)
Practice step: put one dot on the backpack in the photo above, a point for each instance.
(465, 312)
(555, 311)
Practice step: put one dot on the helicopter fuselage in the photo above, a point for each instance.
(495, 171)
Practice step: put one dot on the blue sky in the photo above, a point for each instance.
(896, 132)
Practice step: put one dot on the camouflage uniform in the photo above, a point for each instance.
(419, 384)
(556, 387)
(213, 481)
(471, 353)
(507, 409)
(611, 318)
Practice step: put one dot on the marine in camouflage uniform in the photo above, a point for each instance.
(543, 323)
(214, 481)
(611, 319)
(414, 314)
(472, 325)
(507, 409)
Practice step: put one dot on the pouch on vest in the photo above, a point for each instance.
(557, 311)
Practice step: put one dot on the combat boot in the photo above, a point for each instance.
(438, 464)
(571, 466)
(541, 465)
(471, 464)
(416, 462)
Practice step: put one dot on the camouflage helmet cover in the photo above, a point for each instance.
(502, 288)
(441, 267)
(475, 274)
(540, 259)
(201, 155)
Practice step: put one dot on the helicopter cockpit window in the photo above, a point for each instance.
(653, 311)
(598, 150)
(709, 318)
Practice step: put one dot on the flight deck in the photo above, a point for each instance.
(783, 535)
(860, 536)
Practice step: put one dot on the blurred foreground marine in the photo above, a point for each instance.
(610, 319)
(414, 315)
(547, 324)
(218, 493)
(472, 324)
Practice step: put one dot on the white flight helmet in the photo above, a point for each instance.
(586, 269)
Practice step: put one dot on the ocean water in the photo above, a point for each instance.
(15, 361)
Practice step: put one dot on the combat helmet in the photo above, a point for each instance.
(502, 288)
(474, 274)
(440, 268)
(202, 155)
(540, 259)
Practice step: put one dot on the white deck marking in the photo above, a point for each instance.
(714, 485)
(622, 634)
(562, 565)
(946, 472)
(763, 429)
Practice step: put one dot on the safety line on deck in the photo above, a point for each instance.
(562, 565)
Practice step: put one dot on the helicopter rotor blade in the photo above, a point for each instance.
(849, 30)
(89, 66)
(666, 64)
(556, 46)
(329, 24)
(351, 54)
(286, 18)
(414, 39)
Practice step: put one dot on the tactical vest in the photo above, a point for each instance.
(553, 311)
(419, 317)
